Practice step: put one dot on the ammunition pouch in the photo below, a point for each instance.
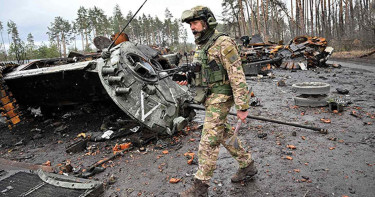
(197, 67)
(225, 89)
(200, 94)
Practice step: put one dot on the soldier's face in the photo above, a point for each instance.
(197, 27)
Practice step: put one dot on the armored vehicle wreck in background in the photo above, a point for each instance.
(302, 52)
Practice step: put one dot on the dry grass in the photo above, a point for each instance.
(352, 54)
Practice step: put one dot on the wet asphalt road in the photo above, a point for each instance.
(341, 163)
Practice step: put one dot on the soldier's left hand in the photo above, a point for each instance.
(242, 115)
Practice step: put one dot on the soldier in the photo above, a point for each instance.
(220, 82)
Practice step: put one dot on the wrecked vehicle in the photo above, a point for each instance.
(132, 77)
(303, 52)
(256, 55)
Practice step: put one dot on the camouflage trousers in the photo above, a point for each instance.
(215, 132)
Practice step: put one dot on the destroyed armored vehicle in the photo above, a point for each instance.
(302, 52)
(305, 52)
(132, 77)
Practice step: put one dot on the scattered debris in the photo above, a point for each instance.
(77, 146)
(160, 144)
(47, 163)
(66, 168)
(254, 101)
(174, 180)
(37, 136)
(120, 147)
(36, 112)
(61, 128)
(336, 65)
(281, 83)
(262, 135)
(7, 189)
(288, 157)
(112, 179)
(91, 172)
(325, 120)
(336, 105)
(19, 143)
(66, 116)
(165, 152)
(107, 135)
(190, 157)
(342, 91)
(355, 114)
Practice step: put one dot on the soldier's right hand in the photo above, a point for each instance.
(242, 115)
(106, 54)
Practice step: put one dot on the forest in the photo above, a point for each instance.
(346, 24)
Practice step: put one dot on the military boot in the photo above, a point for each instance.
(245, 173)
(199, 189)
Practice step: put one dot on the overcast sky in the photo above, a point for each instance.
(34, 16)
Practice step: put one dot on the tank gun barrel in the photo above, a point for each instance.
(321, 130)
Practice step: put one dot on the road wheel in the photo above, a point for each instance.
(311, 88)
(311, 101)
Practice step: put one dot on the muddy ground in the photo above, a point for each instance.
(341, 163)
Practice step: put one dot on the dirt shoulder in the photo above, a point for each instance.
(341, 163)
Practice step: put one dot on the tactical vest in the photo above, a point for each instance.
(211, 72)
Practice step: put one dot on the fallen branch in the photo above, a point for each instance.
(368, 54)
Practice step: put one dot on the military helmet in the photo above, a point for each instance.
(199, 13)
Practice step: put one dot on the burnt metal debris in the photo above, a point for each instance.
(132, 77)
(41, 183)
(303, 52)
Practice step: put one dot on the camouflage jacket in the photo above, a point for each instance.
(225, 51)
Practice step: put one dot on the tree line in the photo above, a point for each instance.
(346, 23)
(89, 23)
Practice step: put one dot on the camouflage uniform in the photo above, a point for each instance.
(215, 129)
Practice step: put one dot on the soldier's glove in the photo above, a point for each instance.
(106, 54)
(192, 67)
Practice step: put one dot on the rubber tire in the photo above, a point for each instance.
(311, 88)
(312, 101)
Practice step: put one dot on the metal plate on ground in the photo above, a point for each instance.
(28, 184)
